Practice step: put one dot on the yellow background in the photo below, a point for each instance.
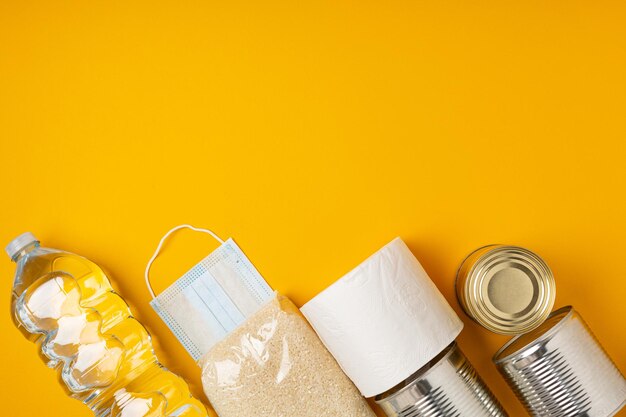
(313, 133)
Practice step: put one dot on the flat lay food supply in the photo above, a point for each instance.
(382, 332)
(554, 364)
(299, 139)
(65, 304)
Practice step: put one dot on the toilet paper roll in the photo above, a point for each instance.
(384, 320)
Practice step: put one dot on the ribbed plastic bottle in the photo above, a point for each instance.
(104, 356)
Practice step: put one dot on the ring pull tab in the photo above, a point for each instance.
(158, 250)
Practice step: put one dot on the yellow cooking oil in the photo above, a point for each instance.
(103, 355)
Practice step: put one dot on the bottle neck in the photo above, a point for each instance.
(24, 251)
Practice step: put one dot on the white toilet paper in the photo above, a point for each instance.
(383, 320)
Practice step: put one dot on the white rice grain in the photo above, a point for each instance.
(274, 365)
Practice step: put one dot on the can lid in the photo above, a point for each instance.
(16, 245)
(506, 289)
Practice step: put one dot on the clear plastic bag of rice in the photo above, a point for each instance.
(274, 365)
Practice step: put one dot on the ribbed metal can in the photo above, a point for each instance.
(446, 387)
(506, 289)
(561, 370)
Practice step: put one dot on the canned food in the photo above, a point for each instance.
(506, 289)
(560, 370)
(448, 386)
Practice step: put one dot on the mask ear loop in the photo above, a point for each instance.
(158, 250)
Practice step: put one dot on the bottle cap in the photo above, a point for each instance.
(19, 243)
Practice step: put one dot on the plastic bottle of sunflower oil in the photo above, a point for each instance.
(104, 356)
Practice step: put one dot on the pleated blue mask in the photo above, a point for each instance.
(212, 298)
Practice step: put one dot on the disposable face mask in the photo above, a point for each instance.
(212, 298)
